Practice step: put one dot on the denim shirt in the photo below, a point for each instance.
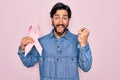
(60, 57)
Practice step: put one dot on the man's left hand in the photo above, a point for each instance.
(83, 36)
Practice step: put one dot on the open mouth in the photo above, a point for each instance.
(60, 26)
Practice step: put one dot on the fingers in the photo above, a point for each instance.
(83, 34)
(26, 40)
(84, 31)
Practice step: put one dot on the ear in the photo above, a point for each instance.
(69, 19)
(51, 19)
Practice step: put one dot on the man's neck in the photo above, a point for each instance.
(59, 36)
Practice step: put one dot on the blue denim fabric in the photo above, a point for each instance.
(60, 57)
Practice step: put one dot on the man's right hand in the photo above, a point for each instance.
(25, 40)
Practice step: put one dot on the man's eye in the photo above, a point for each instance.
(56, 18)
(65, 18)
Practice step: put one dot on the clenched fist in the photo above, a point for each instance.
(25, 40)
(83, 36)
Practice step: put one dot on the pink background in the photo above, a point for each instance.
(101, 17)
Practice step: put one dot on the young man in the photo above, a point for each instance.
(62, 51)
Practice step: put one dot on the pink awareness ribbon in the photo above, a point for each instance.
(35, 37)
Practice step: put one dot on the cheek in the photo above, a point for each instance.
(66, 23)
(55, 22)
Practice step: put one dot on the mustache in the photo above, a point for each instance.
(60, 25)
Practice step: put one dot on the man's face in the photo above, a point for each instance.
(60, 21)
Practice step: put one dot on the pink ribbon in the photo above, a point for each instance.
(35, 37)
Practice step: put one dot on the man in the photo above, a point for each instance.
(62, 51)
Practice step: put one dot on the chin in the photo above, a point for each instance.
(60, 33)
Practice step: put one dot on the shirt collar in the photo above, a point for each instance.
(65, 36)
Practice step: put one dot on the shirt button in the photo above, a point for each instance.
(82, 61)
(72, 59)
(57, 59)
(58, 46)
(44, 59)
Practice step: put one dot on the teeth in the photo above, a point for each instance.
(60, 26)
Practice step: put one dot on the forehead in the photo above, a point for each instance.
(61, 13)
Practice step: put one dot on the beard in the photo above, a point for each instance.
(60, 33)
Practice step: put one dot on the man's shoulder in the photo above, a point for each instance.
(74, 35)
(47, 36)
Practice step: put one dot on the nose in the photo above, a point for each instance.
(60, 21)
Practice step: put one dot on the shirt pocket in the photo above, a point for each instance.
(71, 68)
(67, 68)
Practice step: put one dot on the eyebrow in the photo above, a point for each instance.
(59, 15)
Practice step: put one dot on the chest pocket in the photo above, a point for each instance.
(56, 67)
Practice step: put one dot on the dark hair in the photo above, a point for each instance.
(59, 6)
